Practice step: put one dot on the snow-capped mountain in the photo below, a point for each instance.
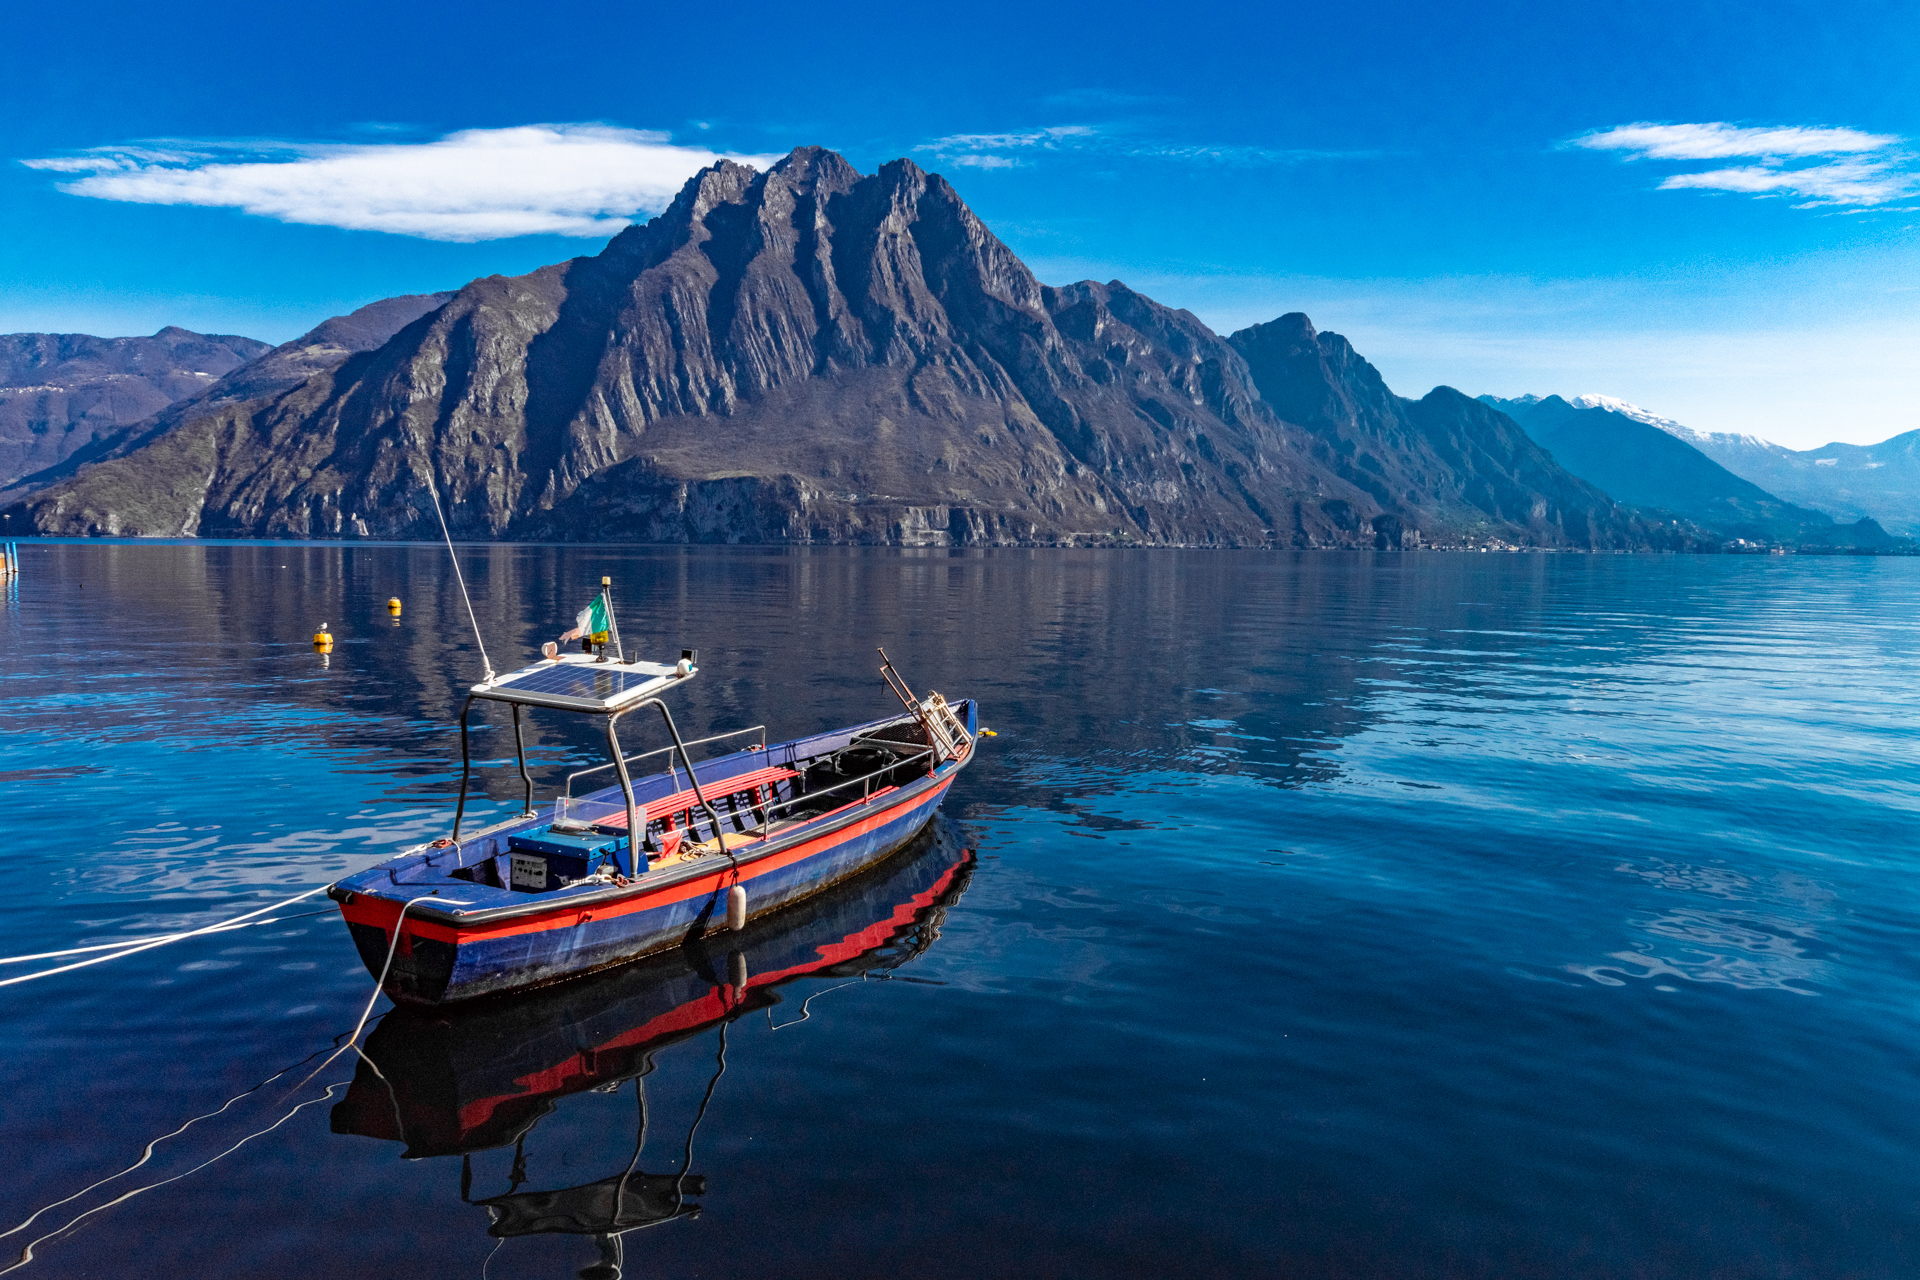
(1698, 439)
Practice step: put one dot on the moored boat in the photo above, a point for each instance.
(569, 888)
(457, 1081)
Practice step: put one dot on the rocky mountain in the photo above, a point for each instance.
(61, 391)
(267, 372)
(814, 354)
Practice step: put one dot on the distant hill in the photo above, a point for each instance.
(59, 392)
(1445, 447)
(1644, 465)
(1655, 463)
(1879, 482)
(267, 372)
(1848, 481)
(810, 354)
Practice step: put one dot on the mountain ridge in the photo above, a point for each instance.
(813, 354)
(268, 372)
(60, 392)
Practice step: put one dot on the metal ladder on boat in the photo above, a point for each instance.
(946, 734)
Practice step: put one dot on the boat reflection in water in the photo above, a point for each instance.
(461, 1080)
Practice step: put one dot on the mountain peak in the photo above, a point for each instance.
(1291, 327)
(804, 169)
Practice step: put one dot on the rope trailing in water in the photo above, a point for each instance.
(434, 490)
(164, 940)
(26, 1254)
(158, 937)
(146, 1153)
(352, 1040)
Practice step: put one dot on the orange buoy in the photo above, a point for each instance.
(393, 606)
(323, 638)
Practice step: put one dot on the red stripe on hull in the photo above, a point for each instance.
(381, 912)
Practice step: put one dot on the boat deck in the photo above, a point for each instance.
(742, 787)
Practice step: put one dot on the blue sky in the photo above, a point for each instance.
(1458, 189)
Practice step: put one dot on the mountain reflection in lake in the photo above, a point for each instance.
(1333, 915)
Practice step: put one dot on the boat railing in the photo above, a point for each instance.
(672, 773)
(864, 781)
(589, 811)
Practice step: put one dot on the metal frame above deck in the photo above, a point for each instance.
(639, 683)
(635, 681)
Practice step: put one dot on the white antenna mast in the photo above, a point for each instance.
(434, 490)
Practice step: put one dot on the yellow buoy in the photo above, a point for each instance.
(323, 638)
(393, 606)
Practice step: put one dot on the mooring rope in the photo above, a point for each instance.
(158, 937)
(165, 939)
(146, 1153)
(378, 983)
(26, 1254)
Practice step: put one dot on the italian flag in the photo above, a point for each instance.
(591, 621)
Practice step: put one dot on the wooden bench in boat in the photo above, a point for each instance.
(757, 783)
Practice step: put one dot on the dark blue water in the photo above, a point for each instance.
(1425, 915)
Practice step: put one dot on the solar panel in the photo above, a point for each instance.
(583, 686)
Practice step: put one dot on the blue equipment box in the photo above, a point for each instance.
(567, 857)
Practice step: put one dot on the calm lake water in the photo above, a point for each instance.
(1311, 915)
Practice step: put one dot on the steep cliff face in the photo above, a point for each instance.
(59, 392)
(813, 354)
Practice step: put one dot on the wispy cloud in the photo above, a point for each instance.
(1870, 169)
(1720, 141)
(1232, 155)
(1853, 183)
(478, 184)
(1005, 150)
(1014, 149)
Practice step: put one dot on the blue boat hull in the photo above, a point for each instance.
(442, 957)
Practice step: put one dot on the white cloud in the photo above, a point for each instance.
(478, 184)
(1721, 141)
(1869, 171)
(1844, 182)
